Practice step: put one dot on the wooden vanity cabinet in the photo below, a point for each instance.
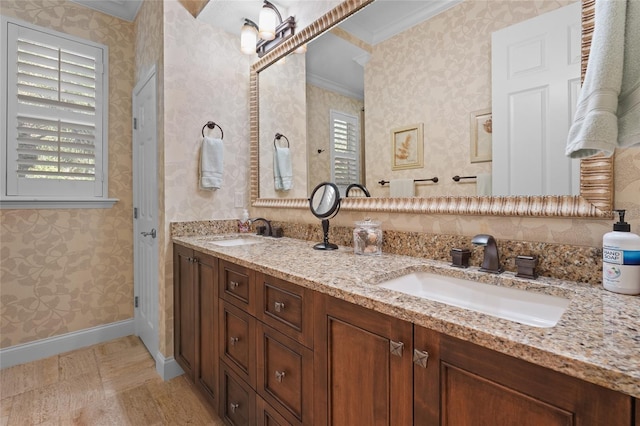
(481, 386)
(196, 318)
(363, 366)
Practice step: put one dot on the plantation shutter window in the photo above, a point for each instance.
(345, 149)
(56, 115)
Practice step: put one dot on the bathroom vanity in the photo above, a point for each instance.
(274, 332)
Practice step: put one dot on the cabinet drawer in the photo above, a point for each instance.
(285, 374)
(236, 286)
(237, 341)
(268, 416)
(286, 307)
(238, 400)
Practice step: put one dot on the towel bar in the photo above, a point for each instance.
(457, 178)
(433, 179)
(212, 125)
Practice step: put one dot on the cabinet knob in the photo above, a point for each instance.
(233, 284)
(420, 358)
(396, 348)
(279, 376)
(278, 306)
(233, 407)
(233, 341)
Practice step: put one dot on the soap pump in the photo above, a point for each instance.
(243, 223)
(621, 258)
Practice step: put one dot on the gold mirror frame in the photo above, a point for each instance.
(596, 174)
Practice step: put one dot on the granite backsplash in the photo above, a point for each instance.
(562, 261)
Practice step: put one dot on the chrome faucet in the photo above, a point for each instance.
(268, 231)
(491, 261)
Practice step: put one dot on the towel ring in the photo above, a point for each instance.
(212, 125)
(278, 137)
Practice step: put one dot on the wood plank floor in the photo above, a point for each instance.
(113, 383)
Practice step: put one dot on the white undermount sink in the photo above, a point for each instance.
(232, 242)
(525, 307)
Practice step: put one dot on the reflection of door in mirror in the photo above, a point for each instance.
(282, 110)
(535, 83)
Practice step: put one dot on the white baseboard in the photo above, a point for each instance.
(32, 351)
(167, 368)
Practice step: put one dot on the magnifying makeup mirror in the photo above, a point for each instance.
(325, 204)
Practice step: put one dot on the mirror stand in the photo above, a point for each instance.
(325, 245)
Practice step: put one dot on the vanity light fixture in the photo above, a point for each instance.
(270, 32)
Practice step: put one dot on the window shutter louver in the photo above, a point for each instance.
(55, 115)
(346, 149)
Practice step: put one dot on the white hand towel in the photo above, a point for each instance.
(402, 188)
(211, 163)
(483, 184)
(608, 110)
(282, 169)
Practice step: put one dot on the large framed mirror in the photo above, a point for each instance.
(595, 199)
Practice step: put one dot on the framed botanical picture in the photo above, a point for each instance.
(407, 147)
(481, 130)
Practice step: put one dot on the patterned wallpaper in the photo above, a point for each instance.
(319, 103)
(282, 110)
(66, 270)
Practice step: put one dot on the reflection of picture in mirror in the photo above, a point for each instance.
(481, 130)
(407, 147)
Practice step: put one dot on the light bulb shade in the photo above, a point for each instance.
(267, 23)
(248, 39)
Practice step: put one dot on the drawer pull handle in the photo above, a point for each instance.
(420, 358)
(396, 348)
(278, 306)
(233, 407)
(279, 376)
(233, 285)
(234, 340)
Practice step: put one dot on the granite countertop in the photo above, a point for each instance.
(597, 338)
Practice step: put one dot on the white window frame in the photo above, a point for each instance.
(10, 196)
(355, 121)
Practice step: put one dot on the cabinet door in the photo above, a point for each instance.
(286, 307)
(237, 399)
(206, 374)
(267, 416)
(363, 366)
(238, 341)
(237, 286)
(480, 386)
(285, 374)
(184, 309)
(426, 376)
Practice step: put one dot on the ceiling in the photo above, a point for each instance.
(123, 9)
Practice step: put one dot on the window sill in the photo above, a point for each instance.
(58, 203)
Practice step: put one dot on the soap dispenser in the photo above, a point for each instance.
(243, 223)
(621, 258)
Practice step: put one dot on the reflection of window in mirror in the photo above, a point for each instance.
(345, 149)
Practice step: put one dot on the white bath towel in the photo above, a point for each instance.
(211, 163)
(402, 188)
(483, 184)
(282, 169)
(608, 110)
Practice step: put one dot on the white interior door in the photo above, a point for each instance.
(535, 82)
(145, 202)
